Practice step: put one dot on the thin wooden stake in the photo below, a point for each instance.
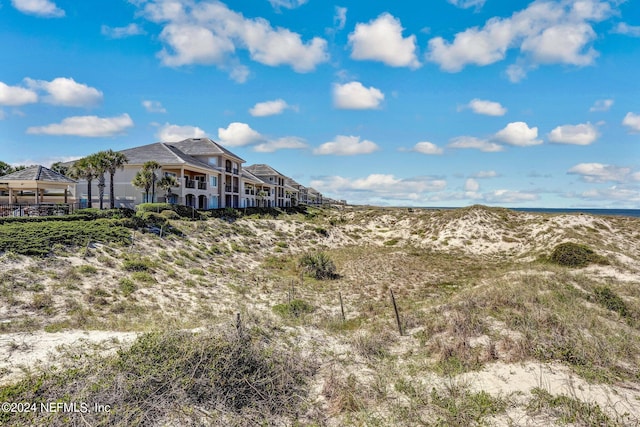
(395, 308)
(293, 290)
(341, 307)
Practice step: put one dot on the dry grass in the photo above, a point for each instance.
(473, 289)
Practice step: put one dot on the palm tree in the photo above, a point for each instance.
(152, 166)
(5, 168)
(143, 180)
(83, 169)
(116, 161)
(166, 183)
(100, 163)
(58, 167)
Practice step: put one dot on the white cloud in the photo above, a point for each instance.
(381, 40)
(602, 105)
(427, 148)
(66, 92)
(378, 187)
(466, 4)
(509, 196)
(346, 146)
(268, 108)
(239, 134)
(632, 121)
(208, 32)
(153, 106)
(354, 96)
(121, 32)
(485, 174)
(287, 4)
(626, 196)
(562, 44)
(546, 32)
(488, 108)
(340, 18)
(473, 142)
(626, 29)
(582, 134)
(598, 172)
(88, 126)
(471, 185)
(518, 134)
(175, 133)
(43, 8)
(290, 142)
(16, 95)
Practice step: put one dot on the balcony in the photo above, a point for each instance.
(249, 192)
(227, 188)
(236, 190)
(202, 185)
(190, 183)
(228, 169)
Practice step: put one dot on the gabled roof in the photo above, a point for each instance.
(37, 173)
(163, 153)
(203, 147)
(263, 170)
(251, 177)
(293, 183)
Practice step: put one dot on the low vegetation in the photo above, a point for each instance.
(490, 302)
(180, 378)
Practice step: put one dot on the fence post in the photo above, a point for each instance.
(395, 308)
(341, 306)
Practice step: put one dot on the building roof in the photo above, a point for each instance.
(37, 173)
(251, 177)
(203, 147)
(162, 153)
(263, 170)
(293, 183)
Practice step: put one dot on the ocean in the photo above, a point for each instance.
(616, 212)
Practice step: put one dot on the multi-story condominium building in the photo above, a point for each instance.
(314, 196)
(208, 175)
(301, 197)
(273, 177)
(257, 193)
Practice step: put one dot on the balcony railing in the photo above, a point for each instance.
(236, 189)
(249, 192)
(202, 185)
(228, 169)
(235, 171)
(227, 188)
(190, 183)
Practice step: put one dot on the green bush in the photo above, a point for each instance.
(295, 308)
(37, 238)
(574, 255)
(610, 300)
(169, 214)
(319, 265)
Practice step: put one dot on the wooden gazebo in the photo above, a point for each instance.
(36, 185)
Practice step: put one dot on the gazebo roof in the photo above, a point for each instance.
(37, 173)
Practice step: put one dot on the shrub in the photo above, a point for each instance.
(610, 300)
(169, 214)
(295, 308)
(37, 238)
(319, 265)
(127, 287)
(173, 378)
(574, 255)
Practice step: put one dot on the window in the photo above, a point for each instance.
(213, 181)
(171, 174)
(213, 161)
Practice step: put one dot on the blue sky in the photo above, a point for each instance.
(438, 103)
